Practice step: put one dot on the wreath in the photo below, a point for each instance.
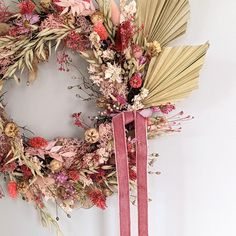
(134, 79)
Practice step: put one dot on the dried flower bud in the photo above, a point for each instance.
(46, 3)
(11, 130)
(101, 102)
(91, 135)
(97, 17)
(153, 48)
(4, 28)
(22, 187)
(55, 165)
(68, 19)
(107, 192)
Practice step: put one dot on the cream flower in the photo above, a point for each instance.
(138, 99)
(96, 79)
(77, 7)
(129, 11)
(108, 54)
(113, 72)
(95, 40)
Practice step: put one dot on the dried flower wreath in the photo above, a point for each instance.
(137, 79)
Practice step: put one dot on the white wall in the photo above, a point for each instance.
(196, 194)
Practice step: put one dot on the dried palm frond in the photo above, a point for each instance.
(174, 74)
(163, 20)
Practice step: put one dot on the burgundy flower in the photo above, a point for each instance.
(26, 171)
(132, 175)
(136, 81)
(12, 189)
(124, 35)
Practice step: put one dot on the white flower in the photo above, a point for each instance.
(138, 105)
(95, 40)
(92, 69)
(113, 73)
(144, 93)
(103, 154)
(129, 11)
(96, 79)
(108, 54)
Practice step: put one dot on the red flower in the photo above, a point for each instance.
(100, 29)
(136, 81)
(74, 175)
(12, 189)
(132, 175)
(26, 171)
(38, 142)
(98, 198)
(26, 7)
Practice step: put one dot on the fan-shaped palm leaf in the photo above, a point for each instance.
(163, 20)
(174, 74)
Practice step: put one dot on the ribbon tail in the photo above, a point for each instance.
(141, 156)
(122, 173)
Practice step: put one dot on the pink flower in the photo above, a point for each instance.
(77, 7)
(77, 42)
(167, 108)
(4, 11)
(26, 7)
(137, 51)
(78, 121)
(12, 189)
(100, 29)
(63, 60)
(121, 99)
(38, 142)
(136, 81)
(24, 25)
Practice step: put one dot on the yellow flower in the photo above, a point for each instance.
(153, 48)
(46, 3)
(97, 17)
(55, 165)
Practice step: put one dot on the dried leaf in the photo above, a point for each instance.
(174, 74)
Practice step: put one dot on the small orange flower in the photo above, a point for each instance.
(12, 189)
(100, 29)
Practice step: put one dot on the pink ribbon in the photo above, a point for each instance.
(122, 166)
